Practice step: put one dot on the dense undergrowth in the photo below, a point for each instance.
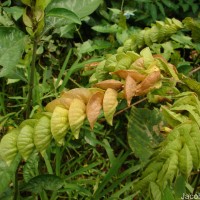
(98, 102)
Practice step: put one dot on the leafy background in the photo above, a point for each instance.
(53, 52)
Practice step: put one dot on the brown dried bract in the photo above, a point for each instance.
(114, 84)
(62, 102)
(147, 84)
(94, 107)
(129, 89)
(138, 77)
(79, 93)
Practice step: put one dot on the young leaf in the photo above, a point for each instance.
(171, 147)
(59, 124)
(76, 116)
(8, 146)
(191, 109)
(172, 118)
(155, 191)
(64, 13)
(148, 58)
(25, 143)
(42, 134)
(129, 89)
(109, 104)
(114, 84)
(169, 170)
(93, 108)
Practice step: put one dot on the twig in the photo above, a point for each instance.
(194, 70)
(31, 81)
(137, 102)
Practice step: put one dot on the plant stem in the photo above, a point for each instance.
(58, 159)
(16, 187)
(122, 5)
(48, 164)
(31, 80)
(196, 184)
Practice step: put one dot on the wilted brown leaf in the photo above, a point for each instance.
(114, 84)
(94, 107)
(148, 83)
(79, 93)
(129, 89)
(138, 77)
(109, 104)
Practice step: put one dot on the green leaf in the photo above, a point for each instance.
(161, 8)
(80, 8)
(191, 109)
(106, 28)
(42, 4)
(42, 134)
(7, 173)
(168, 194)
(5, 176)
(148, 58)
(144, 131)
(172, 118)
(8, 146)
(179, 186)
(155, 191)
(64, 13)
(26, 2)
(185, 161)
(169, 170)
(25, 143)
(153, 11)
(193, 148)
(12, 43)
(43, 182)
(30, 169)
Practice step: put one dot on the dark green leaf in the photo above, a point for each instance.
(180, 186)
(153, 11)
(12, 45)
(167, 194)
(80, 8)
(64, 13)
(43, 182)
(30, 169)
(144, 131)
(161, 8)
(7, 173)
(106, 29)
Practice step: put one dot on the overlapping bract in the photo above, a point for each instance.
(157, 33)
(131, 75)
